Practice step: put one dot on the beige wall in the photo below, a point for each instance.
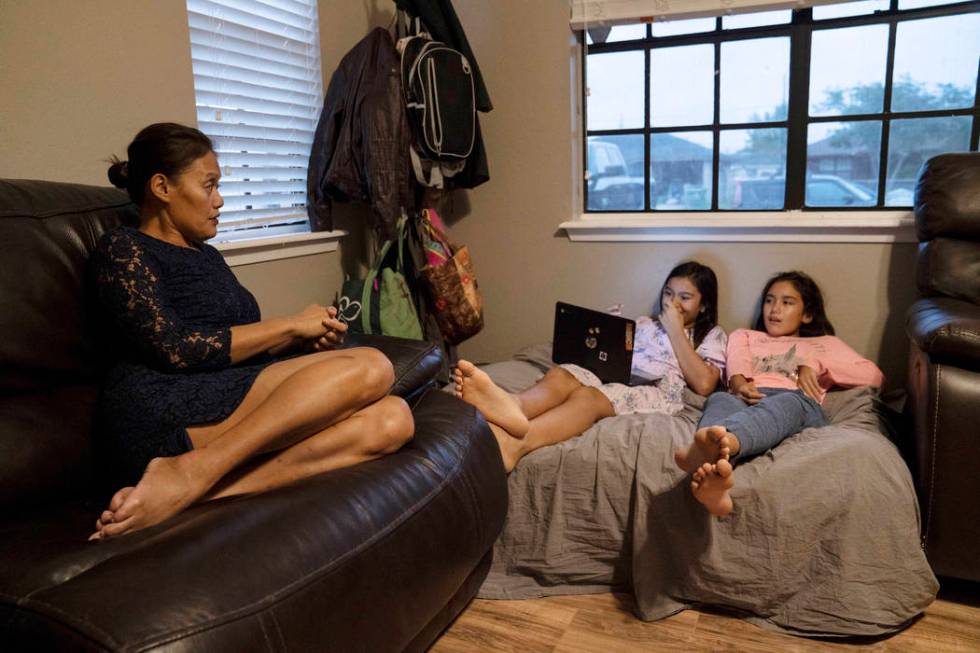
(524, 264)
(79, 78)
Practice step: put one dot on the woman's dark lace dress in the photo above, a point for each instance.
(167, 312)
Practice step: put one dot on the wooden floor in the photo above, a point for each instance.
(604, 623)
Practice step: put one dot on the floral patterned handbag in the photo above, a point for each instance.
(449, 279)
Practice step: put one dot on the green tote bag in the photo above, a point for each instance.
(381, 303)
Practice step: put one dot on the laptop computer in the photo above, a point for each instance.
(599, 342)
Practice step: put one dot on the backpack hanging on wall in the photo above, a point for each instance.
(440, 102)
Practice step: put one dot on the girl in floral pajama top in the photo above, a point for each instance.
(684, 346)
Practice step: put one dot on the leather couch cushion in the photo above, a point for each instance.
(947, 197)
(949, 267)
(46, 450)
(47, 231)
(416, 362)
(397, 535)
(948, 330)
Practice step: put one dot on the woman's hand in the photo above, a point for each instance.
(334, 334)
(315, 328)
(311, 322)
(744, 389)
(806, 380)
(670, 318)
(327, 333)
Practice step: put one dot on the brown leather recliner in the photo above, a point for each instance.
(377, 557)
(944, 363)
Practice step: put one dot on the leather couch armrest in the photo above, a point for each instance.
(946, 329)
(947, 267)
(416, 362)
(946, 199)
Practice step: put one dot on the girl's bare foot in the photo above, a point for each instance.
(510, 447)
(711, 444)
(498, 406)
(168, 486)
(712, 484)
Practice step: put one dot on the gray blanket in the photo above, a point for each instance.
(823, 540)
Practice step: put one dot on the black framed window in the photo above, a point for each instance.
(831, 107)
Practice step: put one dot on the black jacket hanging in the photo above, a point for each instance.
(360, 150)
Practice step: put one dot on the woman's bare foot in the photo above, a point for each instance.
(498, 406)
(168, 486)
(108, 515)
(510, 447)
(712, 484)
(711, 444)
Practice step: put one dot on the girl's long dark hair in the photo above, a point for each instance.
(812, 304)
(706, 282)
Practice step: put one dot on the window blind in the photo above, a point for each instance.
(258, 92)
(611, 12)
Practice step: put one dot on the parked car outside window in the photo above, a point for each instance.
(828, 190)
(821, 190)
(610, 186)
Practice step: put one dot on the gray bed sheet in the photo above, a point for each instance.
(824, 539)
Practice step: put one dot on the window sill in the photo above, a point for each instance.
(897, 226)
(271, 248)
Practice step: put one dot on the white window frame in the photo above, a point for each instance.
(271, 248)
(762, 226)
(831, 226)
(258, 93)
(613, 12)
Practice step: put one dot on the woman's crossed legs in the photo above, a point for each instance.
(301, 417)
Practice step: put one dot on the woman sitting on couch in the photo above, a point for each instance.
(204, 399)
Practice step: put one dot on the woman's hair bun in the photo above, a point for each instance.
(164, 148)
(119, 173)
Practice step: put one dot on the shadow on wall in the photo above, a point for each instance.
(894, 346)
(452, 206)
(357, 247)
(376, 15)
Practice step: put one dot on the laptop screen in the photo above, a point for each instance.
(599, 342)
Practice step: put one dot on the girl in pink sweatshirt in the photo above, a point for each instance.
(778, 376)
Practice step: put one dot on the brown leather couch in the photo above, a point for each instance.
(944, 365)
(378, 557)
